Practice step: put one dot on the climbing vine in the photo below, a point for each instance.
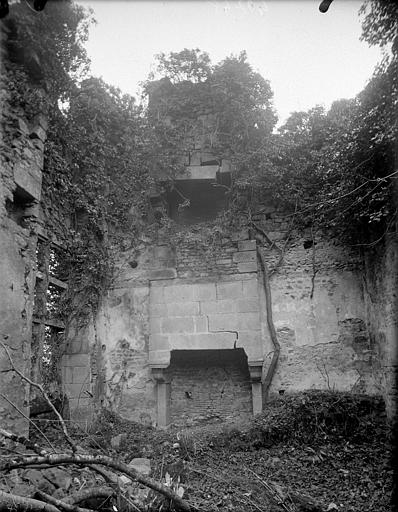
(105, 152)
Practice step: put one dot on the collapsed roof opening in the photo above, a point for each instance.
(194, 201)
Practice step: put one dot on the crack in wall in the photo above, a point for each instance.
(222, 331)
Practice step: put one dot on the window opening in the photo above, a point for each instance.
(48, 322)
(17, 208)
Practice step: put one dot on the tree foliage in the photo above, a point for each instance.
(98, 150)
(104, 152)
(334, 167)
(50, 44)
(192, 65)
(380, 22)
(228, 111)
(340, 165)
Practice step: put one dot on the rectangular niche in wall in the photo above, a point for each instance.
(208, 385)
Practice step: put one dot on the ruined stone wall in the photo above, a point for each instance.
(155, 312)
(319, 313)
(196, 257)
(22, 142)
(79, 364)
(380, 293)
(190, 293)
(110, 359)
(205, 315)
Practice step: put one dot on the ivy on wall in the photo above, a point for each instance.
(105, 152)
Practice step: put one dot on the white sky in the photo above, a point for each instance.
(310, 58)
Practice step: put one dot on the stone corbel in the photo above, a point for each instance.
(256, 371)
(160, 375)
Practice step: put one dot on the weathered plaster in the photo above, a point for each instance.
(122, 331)
(380, 292)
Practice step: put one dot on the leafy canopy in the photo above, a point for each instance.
(226, 111)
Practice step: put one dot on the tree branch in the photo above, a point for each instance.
(24, 441)
(86, 460)
(266, 237)
(87, 494)
(46, 397)
(59, 503)
(29, 420)
(21, 504)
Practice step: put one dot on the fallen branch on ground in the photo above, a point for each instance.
(21, 504)
(109, 477)
(24, 441)
(86, 460)
(88, 494)
(289, 501)
(59, 503)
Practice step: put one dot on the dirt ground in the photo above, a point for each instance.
(334, 449)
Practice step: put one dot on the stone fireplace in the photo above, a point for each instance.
(205, 347)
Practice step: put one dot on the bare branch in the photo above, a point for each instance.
(86, 460)
(110, 477)
(24, 441)
(86, 494)
(29, 420)
(275, 494)
(59, 503)
(46, 397)
(21, 504)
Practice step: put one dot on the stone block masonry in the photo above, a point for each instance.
(194, 257)
(21, 162)
(319, 313)
(205, 315)
(206, 336)
(165, 341)
(76, 380)
(235, 255)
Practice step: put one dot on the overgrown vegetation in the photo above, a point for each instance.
(315, 418)
(312, 449)
(105, 152)
(336, 168)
